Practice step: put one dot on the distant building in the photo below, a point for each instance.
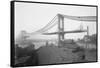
(86, 38)
(68, 41)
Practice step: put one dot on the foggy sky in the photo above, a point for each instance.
(33, 16)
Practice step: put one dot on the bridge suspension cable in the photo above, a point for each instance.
(81, 18)
(48, 26)
(52, 23)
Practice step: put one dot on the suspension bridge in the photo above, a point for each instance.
(59, 21)
(54, 55)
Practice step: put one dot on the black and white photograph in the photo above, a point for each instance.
(53, 33)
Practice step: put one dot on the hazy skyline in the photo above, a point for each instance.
(34, 16)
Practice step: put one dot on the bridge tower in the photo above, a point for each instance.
(60, 29)
(87, 30)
